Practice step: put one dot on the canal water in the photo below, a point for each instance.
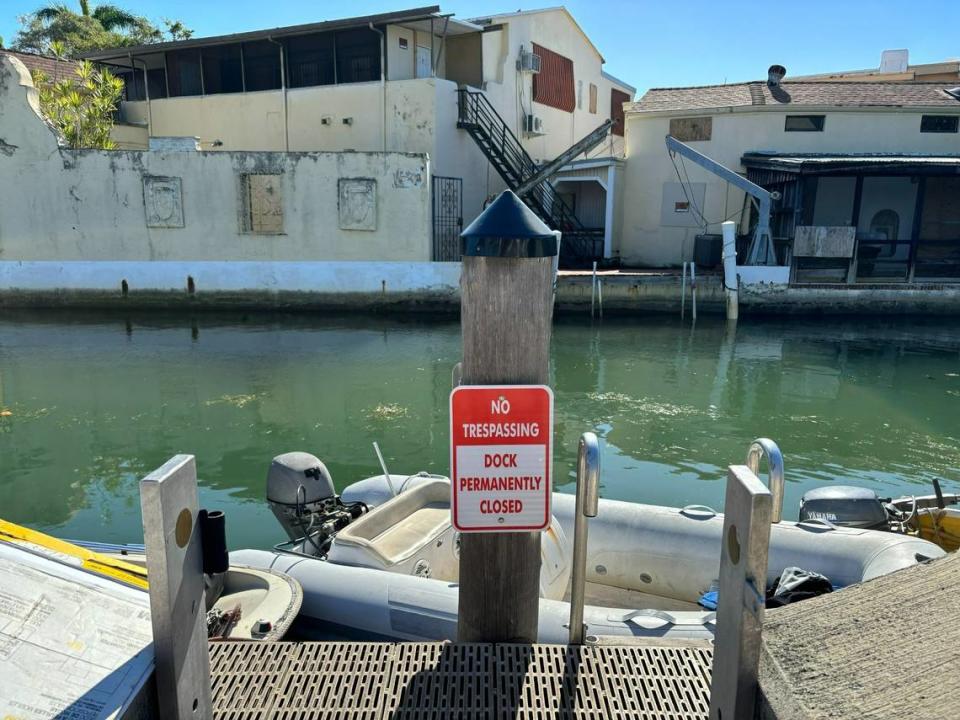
(89, 404)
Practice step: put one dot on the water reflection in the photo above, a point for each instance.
(96, 402)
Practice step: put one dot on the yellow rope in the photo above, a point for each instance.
(95, 562)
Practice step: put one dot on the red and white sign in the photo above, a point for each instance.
(501, 443)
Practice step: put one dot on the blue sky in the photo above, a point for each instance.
(646, 43)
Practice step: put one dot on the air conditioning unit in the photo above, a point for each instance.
(528, 62)
(533, 125)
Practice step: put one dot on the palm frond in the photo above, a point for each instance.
(112, 17)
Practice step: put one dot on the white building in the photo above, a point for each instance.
(389, 83)
(880, 160)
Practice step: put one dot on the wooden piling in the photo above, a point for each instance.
(506, 313)
(171, 535)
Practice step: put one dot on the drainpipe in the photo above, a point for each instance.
(146, 93)
(383, 79)
(283, 86)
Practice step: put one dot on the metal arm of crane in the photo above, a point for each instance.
(585, 145)
(761, 248)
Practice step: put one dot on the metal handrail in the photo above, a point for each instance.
(588, 501)
(759, 448)
(476, 110)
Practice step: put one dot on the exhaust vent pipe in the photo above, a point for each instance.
(775, 74)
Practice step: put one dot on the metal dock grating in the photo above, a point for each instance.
(430, 681)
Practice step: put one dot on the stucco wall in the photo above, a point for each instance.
(644, 242)
(511, 92)
(65, 205)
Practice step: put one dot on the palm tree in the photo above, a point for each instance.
(110, 17)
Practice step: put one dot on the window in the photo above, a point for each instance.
(691, 129)
(593, 98)
(617, 99)
(262, 204)
(222, 69)
(310, 60)
(579, 94)
(261, 65)
(157, 82)
(358, 56)
(183, 73)
(553, 85)
(132, 85)
(804, 123)
(939, 123)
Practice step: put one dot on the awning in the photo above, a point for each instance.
(773, 168)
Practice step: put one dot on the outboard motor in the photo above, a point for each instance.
(845, 506)
(302, 497)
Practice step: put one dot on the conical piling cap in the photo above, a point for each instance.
(508, 228)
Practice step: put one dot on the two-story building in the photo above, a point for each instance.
(390, 82)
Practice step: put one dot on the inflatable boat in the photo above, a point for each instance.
(381, 561)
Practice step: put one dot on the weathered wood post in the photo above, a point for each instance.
(742, 595)
(171, 535)
(506, 311)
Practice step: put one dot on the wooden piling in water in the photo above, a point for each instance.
(506, 316)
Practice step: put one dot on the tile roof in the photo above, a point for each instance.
(798, 94)
(49, 66)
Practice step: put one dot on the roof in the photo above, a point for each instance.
(617, 81)
(413, 14)
(821, 163)
(797, 94)
(489, 19)
(47, 64)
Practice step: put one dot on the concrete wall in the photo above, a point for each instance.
(645, 242)
(63, 205)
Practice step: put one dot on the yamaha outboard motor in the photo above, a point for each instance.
(845, 506)
(302, 497)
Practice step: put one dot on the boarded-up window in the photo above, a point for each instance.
(262, 204)
(553, 85)
(593, 98)
(617, 99)
(691, 129)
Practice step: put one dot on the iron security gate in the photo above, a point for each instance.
(447, 217)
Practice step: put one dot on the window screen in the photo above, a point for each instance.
(617, 99)
(157, 82)
(261, 64)
(358, 56)
(222, 69)
(310, 60)
(132, 85)
(553, 85)
(939, 123)
(183, 71)
(804, 123)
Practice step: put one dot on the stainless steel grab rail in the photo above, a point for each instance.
(588, 501)
(759, 448)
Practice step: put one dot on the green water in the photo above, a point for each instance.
(97, 402)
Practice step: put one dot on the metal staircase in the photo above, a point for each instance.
(580, 245)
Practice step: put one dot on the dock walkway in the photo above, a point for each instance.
(430, 681)
(886, 648)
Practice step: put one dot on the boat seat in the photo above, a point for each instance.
(388, 537)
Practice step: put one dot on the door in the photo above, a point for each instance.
(447, 218)
(423, 62)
